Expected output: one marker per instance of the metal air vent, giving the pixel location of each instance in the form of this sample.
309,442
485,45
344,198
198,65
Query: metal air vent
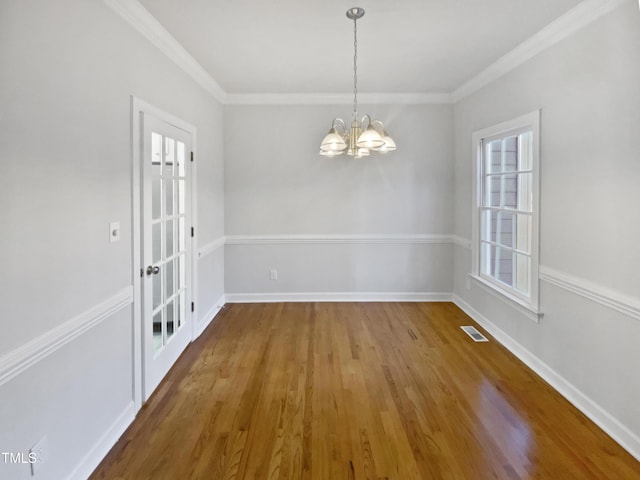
474,334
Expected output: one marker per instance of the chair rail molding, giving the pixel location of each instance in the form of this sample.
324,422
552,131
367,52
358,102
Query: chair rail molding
339,238
21,358
211,247
609,298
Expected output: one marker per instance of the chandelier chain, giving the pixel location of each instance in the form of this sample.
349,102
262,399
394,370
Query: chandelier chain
355,69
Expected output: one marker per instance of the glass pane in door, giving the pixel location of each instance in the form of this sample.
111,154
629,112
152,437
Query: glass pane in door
168,233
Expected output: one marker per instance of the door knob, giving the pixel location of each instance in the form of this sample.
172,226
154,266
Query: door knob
153,270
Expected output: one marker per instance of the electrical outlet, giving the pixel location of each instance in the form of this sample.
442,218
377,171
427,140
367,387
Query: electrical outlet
38,455
273,274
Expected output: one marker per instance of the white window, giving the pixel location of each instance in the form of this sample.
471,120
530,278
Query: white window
505,216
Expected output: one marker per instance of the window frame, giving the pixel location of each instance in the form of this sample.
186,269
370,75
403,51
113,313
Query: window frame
527,304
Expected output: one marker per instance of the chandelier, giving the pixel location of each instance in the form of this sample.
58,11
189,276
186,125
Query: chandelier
365,135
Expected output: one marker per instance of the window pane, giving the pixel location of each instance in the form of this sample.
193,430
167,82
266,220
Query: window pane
497,262
486,253
525,192
493,191
180,309
526,151
156,242
509,187
181,158
181,234
523,273
157,331
156,151
170,319
498,227
156,170
523,233
181,268
169,242
169,155
510,154
181,199
501,191
169,196
157,288
503,265
486,221
493,157
503,227
168,278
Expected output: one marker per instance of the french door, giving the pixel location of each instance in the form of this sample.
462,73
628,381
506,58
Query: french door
166,247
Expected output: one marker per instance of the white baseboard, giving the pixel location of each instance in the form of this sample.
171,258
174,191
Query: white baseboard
209,316
105,443
616,430
338,297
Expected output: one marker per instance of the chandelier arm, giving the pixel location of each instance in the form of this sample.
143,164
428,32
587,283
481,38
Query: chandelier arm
369,121
340,123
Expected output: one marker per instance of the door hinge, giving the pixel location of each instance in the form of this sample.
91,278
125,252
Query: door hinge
193,231
193,307
192,156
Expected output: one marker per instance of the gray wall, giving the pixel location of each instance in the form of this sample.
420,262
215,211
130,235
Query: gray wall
587,88
276,183
68,69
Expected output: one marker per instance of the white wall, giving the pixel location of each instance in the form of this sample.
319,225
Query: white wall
276,183
69,68
587,88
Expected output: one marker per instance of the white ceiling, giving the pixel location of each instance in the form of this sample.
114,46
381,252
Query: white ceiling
405,46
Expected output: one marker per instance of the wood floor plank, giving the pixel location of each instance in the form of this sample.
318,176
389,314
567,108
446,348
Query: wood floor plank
354,391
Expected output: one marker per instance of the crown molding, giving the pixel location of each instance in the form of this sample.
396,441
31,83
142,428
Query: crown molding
578,17
338,98
583,14
139,17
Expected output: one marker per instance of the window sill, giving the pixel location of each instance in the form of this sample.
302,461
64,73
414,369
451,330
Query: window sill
524,308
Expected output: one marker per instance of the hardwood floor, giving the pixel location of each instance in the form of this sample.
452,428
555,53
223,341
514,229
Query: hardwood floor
341,391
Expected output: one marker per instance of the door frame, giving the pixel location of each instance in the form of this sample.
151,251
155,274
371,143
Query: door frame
140,107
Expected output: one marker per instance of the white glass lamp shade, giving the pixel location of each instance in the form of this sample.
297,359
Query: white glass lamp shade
388,146
370,139
331,153
333,142
359,152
